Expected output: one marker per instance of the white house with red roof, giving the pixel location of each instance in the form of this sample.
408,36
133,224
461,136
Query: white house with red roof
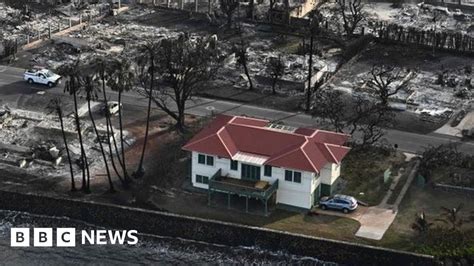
254,158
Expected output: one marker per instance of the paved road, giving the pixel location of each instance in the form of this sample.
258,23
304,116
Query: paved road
12,88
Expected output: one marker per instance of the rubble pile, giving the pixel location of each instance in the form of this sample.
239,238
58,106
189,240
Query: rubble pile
101,38
17,24
123,33
429,93
33,140
260,51
427,17
296,66
445,90
419,16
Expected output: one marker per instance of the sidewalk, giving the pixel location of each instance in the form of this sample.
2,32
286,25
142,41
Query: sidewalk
376,220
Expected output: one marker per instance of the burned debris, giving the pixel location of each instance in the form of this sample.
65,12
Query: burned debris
329,56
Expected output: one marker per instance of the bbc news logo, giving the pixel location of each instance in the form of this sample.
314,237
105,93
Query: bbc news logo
66,237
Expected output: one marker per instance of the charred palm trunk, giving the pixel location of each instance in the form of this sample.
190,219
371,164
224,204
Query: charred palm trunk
140,171
251,9
308,91
108,122
60,114
85,164
111,184
114,140
247,73
274,85
122,142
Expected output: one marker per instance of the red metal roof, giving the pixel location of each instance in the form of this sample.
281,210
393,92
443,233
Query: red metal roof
303,149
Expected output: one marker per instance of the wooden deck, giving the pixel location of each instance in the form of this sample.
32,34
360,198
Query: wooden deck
246,184
260,190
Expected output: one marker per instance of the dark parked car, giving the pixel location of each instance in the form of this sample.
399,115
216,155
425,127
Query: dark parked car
338,202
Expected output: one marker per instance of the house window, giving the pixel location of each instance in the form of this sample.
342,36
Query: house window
210,160
202,179
293,176
288,175
268,170
234,165
297,177
201,159
250,172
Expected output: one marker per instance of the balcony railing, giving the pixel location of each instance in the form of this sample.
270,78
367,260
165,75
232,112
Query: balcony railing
241,187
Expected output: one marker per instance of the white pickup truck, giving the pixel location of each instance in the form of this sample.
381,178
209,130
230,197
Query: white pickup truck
42,76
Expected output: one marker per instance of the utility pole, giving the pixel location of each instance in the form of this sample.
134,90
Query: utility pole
310,70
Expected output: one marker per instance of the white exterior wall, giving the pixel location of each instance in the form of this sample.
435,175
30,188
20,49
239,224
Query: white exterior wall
224,164
289,193
201,169
209,171
330,173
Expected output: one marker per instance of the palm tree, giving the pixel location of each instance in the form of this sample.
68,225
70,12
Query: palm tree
101,69
146,75
451,216
91,90
421,224
55,106
121,79
72,87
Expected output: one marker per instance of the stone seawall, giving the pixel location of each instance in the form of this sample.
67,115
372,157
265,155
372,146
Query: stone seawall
173,225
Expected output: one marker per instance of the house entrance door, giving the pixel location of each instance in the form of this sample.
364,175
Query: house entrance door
316,195
250,172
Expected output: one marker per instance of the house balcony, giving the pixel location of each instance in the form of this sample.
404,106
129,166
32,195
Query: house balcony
260,190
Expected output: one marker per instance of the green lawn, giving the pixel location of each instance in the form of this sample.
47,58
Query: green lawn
319,225
364,171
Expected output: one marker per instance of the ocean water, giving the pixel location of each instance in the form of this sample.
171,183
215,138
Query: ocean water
149,250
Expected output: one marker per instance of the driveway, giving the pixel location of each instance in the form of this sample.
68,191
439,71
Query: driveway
374,221
355,215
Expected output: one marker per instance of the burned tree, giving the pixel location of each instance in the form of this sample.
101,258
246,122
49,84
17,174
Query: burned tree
146,76
228,7
387,81
121,78
102,70
55,106
370,118
451,216
329,105
72,86
351,14
314,30
10,48
276,69
242,59
359,115
91,89
441,156
184,65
